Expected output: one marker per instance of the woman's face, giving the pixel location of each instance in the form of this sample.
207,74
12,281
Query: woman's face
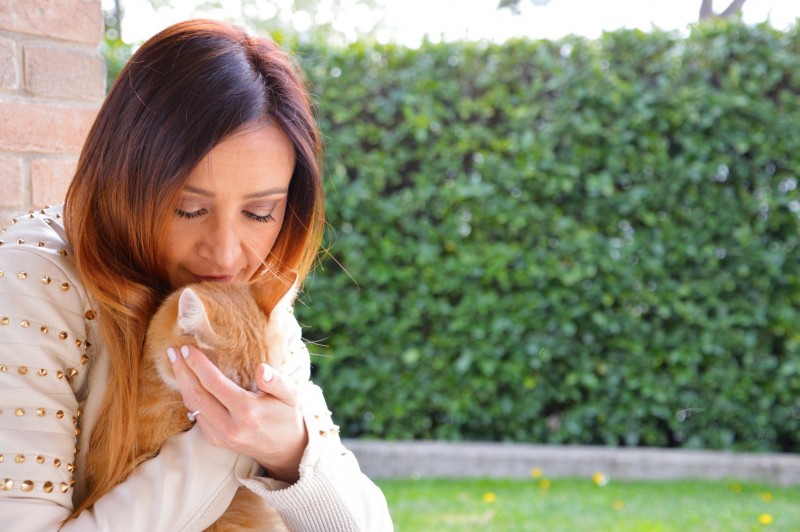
231,208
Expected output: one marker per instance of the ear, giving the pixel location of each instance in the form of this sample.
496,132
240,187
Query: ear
275,293
192,317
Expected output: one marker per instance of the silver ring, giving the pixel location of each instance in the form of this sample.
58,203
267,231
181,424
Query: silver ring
193,415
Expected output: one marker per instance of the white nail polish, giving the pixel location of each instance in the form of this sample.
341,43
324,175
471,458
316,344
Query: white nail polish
171,354
267,374
185,351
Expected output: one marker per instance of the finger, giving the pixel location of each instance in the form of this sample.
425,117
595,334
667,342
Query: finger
211,378
275,384
194,394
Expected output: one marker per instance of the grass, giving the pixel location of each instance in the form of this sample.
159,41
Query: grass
590,504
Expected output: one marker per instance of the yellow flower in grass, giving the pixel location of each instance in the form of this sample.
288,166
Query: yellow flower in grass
544,483
536,472
766,496
737,488
619,505
765,519
489,497
600,479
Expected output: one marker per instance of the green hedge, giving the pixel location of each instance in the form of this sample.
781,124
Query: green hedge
582,241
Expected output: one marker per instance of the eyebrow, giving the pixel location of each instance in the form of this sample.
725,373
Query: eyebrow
260,194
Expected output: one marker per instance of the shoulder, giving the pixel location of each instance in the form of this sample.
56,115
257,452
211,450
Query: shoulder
34,249
43,299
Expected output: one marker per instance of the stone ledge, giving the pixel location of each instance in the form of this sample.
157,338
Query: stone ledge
423,459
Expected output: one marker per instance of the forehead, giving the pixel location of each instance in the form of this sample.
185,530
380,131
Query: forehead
255,157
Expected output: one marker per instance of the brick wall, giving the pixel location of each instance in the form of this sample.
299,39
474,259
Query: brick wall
52,80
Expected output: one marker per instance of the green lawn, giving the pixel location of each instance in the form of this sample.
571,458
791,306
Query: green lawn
586,505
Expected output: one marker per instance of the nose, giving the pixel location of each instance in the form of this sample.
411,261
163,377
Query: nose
223,248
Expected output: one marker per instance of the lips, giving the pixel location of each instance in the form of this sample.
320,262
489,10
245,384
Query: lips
213,278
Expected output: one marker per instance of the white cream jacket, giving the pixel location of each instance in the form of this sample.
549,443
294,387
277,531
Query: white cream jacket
53,374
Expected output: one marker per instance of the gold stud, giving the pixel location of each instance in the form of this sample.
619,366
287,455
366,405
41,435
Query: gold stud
74,420
13,220
65,286
20,412
2,458
25,323
42,372
57,462
40,411
64,487
323,433
2,273
71,372
90,314
70,467
78,343
77,450
48,487
44,329
72,482
62,252
27,485
58,215
40,244
46,280
20,459
59,374
20,241
59,414
3,368
40,459
88,344
79,413
4,320
62,335
84,360
22,275
42,211
8,484
22,370
2,242
77,431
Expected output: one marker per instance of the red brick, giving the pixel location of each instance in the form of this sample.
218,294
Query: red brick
50,179
9,79
71,20
44,127
10,180
64,73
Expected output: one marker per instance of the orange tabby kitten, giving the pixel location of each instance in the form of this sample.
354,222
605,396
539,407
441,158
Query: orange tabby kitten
233,325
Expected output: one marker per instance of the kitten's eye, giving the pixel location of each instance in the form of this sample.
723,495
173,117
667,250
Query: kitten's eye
264,219
190,214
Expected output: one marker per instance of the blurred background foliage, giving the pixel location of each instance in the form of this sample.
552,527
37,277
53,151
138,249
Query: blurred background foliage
573,241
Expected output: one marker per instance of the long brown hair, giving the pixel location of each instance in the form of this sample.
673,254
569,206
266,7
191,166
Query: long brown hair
185,90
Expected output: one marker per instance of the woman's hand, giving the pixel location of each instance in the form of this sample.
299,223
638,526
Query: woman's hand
267,425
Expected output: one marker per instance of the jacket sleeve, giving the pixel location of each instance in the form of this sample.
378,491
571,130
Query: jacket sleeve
332,492
45,322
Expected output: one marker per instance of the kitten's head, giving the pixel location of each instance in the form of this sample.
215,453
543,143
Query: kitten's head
237,325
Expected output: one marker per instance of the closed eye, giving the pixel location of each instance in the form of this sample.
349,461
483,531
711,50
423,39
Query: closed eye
190,214
257,218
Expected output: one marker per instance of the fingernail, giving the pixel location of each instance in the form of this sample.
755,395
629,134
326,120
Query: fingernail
171,354
268,373
185,351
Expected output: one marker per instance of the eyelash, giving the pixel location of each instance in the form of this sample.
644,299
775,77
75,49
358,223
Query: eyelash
254,217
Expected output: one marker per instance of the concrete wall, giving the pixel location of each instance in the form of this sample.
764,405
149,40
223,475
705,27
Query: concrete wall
52,81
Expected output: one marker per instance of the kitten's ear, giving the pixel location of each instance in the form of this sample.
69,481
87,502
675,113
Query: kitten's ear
275,293
192,317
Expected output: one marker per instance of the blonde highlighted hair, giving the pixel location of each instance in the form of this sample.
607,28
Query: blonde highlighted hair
185,90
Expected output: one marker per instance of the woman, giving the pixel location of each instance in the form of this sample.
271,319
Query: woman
202,164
